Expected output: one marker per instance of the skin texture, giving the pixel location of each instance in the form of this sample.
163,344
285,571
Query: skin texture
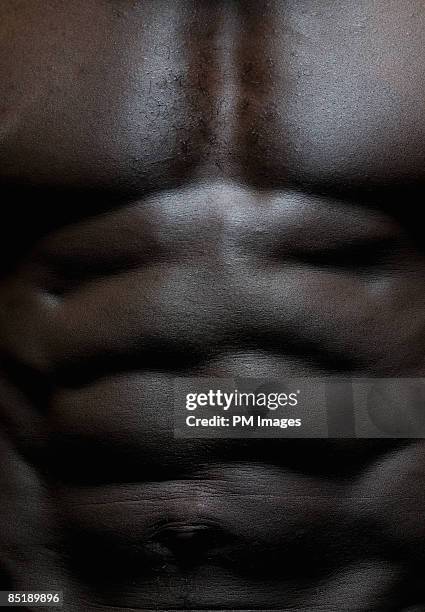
207,188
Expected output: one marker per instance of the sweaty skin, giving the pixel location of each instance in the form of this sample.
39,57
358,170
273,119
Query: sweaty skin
207,188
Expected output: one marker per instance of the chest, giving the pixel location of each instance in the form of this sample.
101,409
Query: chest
128,98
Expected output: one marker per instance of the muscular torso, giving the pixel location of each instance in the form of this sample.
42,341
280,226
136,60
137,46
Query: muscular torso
207,189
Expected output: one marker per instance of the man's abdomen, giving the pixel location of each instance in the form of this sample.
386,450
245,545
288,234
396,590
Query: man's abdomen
219,280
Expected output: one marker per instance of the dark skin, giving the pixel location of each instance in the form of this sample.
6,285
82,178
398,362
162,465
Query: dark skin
214,189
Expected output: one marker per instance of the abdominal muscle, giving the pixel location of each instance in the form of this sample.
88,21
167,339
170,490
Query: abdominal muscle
215,280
